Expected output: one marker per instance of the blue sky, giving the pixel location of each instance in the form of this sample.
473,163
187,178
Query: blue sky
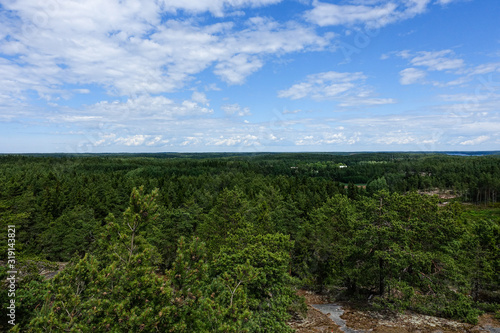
94,76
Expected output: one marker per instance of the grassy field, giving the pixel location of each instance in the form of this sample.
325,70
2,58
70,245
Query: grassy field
479,212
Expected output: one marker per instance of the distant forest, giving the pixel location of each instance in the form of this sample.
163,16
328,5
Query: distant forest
221,242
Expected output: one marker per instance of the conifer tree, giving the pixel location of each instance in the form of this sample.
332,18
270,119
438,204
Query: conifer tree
115,290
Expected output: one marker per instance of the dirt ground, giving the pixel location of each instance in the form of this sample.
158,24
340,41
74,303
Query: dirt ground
315,322
412,323
370,321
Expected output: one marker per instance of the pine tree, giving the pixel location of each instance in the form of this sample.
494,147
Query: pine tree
117,289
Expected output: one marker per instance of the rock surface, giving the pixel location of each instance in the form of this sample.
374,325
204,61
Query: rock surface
323,316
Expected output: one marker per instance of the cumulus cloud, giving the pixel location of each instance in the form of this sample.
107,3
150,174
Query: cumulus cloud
371,13
235,109
325,14
411,75
324,85
144,114
237,68
134,48
200,98
475,141
149,72
135,140
130,140
347,88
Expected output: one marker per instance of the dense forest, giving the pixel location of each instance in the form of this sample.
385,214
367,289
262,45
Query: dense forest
221,242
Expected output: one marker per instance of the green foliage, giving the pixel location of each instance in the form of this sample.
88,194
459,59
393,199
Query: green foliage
85,298
124,238
443,304
72,232
376,185
173,223
226,217
195,310
330,236
482,258
30,291
259,265
258,220
119,291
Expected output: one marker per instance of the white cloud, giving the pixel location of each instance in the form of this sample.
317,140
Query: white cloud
126,48
395,138
482,125
484,101
135,140
445,2
145,114
436,130
325,14
82,91
156,140
404,54
235,109
371,13
472,73
291,111
200,98
432,131
354,102
484,69
411,76
150,106
465,98
216,7
437,61
328,137
241,140
262,37
326,85
141,53
80,119
475,141
212,87
191,140
297,91
444,60
323,139
132,140
237,68
347,88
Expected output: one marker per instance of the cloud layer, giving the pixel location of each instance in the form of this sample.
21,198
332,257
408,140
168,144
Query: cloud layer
130,48
241,75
